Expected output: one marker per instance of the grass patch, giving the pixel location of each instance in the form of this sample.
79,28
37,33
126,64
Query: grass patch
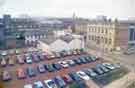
131,85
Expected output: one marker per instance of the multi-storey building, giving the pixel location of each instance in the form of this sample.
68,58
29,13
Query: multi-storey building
109,35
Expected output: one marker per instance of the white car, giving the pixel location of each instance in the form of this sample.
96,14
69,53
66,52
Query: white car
83,75
28,59
64,64
38,84
108,65
28,86
50,83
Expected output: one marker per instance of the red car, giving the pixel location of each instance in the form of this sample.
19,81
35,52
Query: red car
21,73
67,78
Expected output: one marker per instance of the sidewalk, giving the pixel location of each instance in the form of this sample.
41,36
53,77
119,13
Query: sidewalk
122,82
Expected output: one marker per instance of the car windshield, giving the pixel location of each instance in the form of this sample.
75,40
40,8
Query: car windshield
51,83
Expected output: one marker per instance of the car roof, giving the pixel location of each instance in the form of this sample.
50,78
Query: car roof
28,86
38,83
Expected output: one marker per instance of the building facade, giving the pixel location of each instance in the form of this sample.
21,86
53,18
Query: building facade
110,35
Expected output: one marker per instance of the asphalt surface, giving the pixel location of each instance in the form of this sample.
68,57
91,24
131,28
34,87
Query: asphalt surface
16,83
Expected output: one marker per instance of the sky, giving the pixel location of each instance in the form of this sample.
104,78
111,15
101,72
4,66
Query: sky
66,8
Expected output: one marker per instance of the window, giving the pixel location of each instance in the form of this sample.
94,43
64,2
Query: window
131,31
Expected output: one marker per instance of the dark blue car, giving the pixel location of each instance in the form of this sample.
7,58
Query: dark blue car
31,72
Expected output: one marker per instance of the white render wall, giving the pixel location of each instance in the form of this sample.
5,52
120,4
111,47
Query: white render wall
76,44
44,47
59,45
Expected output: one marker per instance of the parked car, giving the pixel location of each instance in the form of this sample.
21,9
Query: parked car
71,62
31,72
98,70
38,84
60,82
20,59
28,59
57,54
64,64
6,76
50,83
75,77
67,78
90,72
57,66
105,69
11,61
74,52
83,75
88,59
109,66
35,58
93,58
21,73
78,61
83,60
28,86
49,67
3,63
41,68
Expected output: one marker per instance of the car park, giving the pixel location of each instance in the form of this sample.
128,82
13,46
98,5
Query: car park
20,59
6,76
57,66
41,68
49,67
3,63
64,64
75,77
38,84
50,83
71,62
83,75
21,73
28,86
31,72
67,78
60,82
90,72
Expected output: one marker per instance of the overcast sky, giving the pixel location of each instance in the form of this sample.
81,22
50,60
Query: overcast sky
65,8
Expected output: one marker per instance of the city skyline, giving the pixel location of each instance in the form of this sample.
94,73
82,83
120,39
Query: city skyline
62,8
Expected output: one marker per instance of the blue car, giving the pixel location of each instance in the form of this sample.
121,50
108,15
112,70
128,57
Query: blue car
31,72
60,82
75,77
57,66
49,67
